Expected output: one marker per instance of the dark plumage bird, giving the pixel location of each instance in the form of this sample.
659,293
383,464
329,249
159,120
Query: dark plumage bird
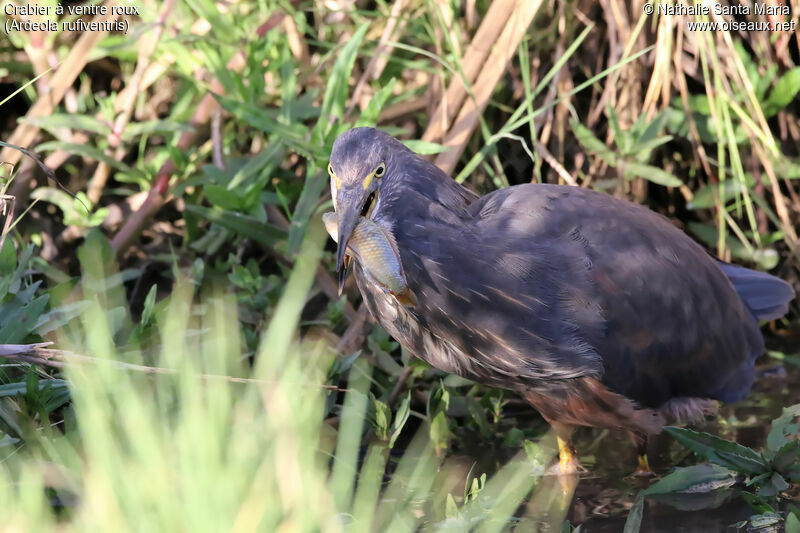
597,311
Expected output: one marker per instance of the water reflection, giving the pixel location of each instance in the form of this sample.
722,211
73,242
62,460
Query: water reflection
601,498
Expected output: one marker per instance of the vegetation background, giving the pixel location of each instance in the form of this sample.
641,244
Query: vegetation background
160,216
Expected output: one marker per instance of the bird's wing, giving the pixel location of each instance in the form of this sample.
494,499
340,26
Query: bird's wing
555,282
500,296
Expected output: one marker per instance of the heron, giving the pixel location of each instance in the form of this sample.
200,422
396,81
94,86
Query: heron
597,311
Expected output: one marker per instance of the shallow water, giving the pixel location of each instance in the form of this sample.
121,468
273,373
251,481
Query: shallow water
600,498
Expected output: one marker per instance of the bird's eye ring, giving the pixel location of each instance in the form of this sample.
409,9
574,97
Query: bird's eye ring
330,169
381,170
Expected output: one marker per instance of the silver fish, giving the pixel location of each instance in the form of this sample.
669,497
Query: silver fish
376,252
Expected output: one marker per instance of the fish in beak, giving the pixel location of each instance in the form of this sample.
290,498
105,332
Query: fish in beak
375,250
350,207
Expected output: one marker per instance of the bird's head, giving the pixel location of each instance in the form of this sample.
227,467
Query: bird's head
362,162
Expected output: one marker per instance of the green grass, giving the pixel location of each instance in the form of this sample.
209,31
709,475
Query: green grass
215,444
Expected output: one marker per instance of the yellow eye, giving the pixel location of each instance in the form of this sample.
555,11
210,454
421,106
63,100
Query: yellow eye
381,170
330,169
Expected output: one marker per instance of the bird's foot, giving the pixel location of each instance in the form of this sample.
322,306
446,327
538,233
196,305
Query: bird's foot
643,469
568,462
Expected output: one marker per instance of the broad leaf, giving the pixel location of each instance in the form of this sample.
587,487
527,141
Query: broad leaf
650,173
784,429
784,92
244,225
720,451
400,418
693,479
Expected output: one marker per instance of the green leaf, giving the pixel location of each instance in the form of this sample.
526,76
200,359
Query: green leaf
784,428
32,385
293,135
759,479
18,318
536,456
8,259
720,451
400,418
778,482
650,173
650,137
439,432
149,304
475,487
784,92
243,225
439,400
21,387
424,147
513,437
306,206
766,258
759,504
11,284
699,478
699,103
621,138
72,121
478,414
642,150
382,416
593,144
223,198
787,457
158,127
792,524
450,508
704,197
74,213
88,151
336,90
268,158
634,520
369,117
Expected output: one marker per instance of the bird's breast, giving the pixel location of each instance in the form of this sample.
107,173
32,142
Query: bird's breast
407,328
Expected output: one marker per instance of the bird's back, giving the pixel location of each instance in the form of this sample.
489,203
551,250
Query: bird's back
540,283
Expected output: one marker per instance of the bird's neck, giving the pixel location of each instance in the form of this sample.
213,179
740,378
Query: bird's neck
418,184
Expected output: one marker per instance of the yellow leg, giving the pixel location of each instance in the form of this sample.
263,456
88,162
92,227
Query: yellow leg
566,457
643,468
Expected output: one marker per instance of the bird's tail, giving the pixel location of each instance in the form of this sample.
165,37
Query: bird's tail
766,296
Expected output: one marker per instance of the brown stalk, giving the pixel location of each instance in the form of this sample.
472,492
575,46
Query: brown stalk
360,325
7,212
39,354
478,50
401,109
660,80
297,44
469,115
699,151
147,46
556,166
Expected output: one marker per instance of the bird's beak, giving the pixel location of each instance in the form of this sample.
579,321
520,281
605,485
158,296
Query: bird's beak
347,213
